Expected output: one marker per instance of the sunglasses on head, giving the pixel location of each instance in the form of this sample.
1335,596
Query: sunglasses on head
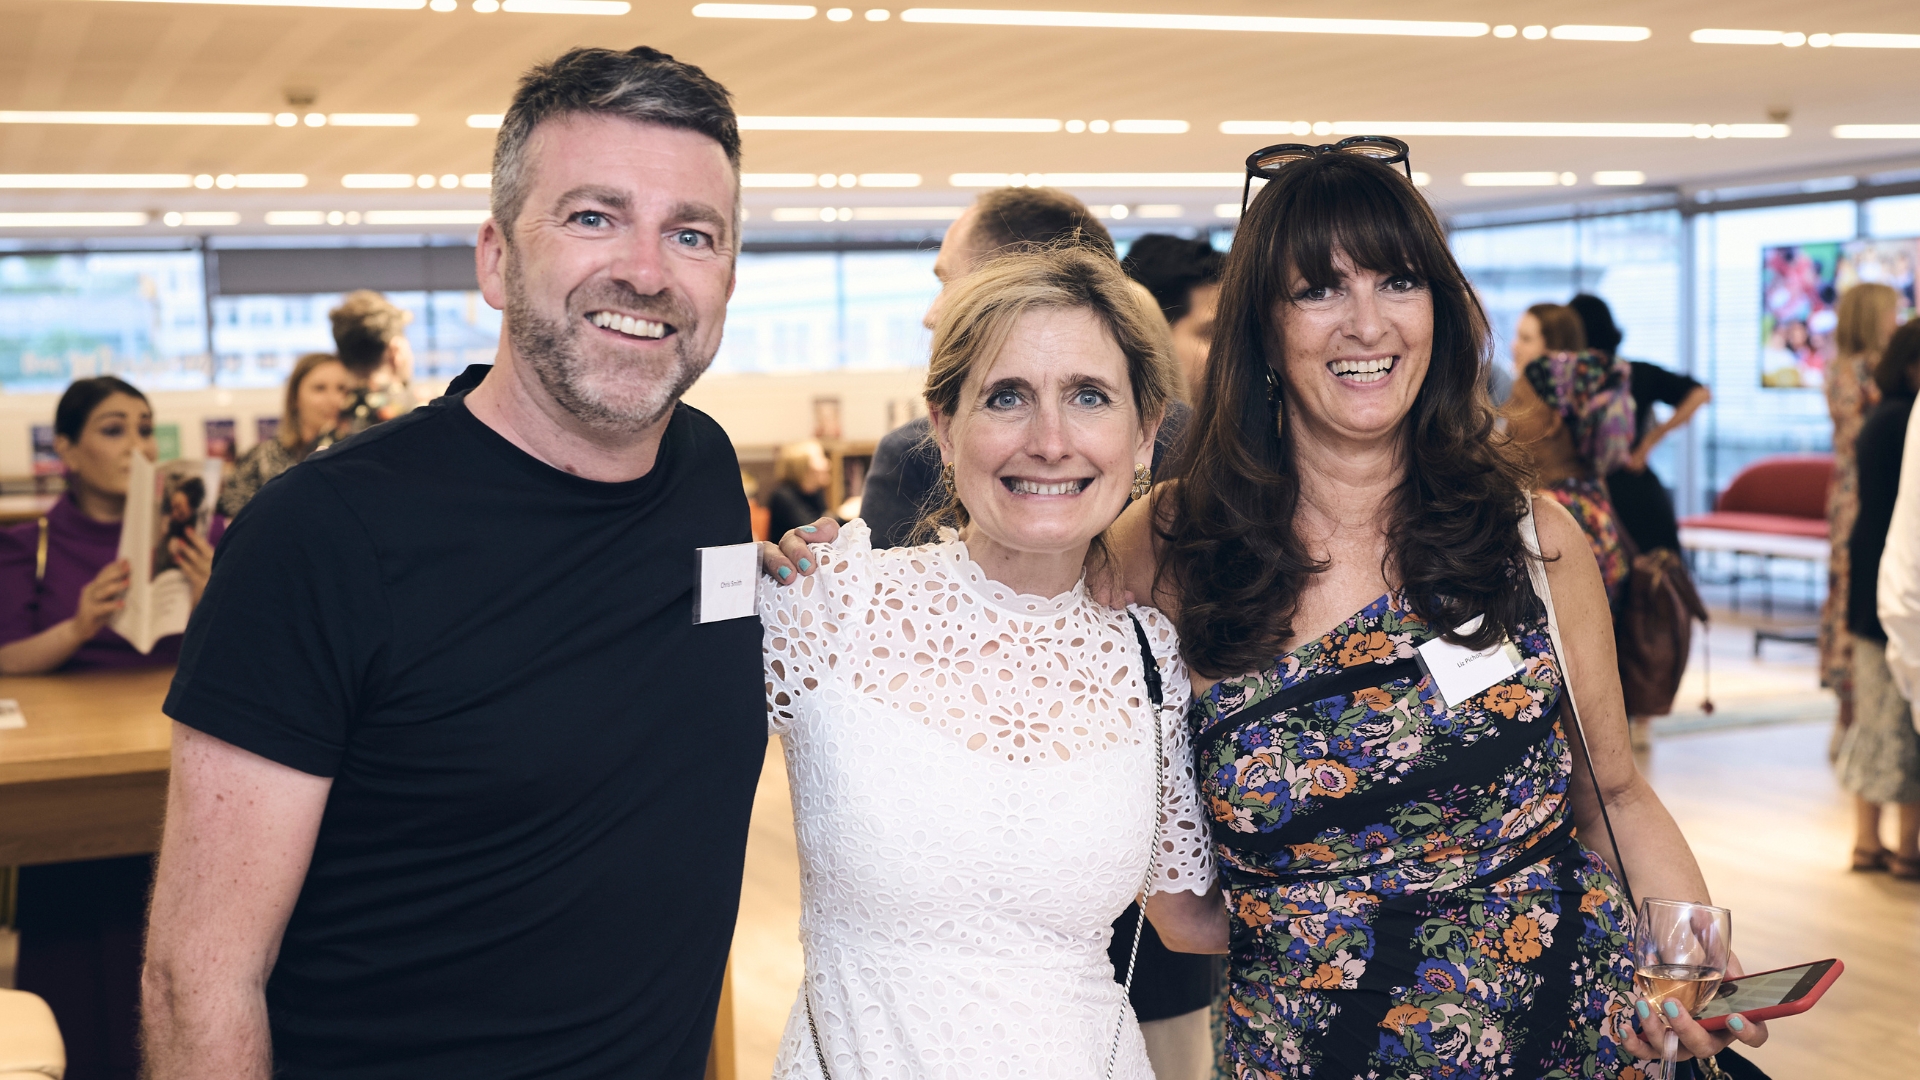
1267,161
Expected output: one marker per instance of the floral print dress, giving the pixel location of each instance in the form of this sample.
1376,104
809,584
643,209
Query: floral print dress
1406,895
1587,501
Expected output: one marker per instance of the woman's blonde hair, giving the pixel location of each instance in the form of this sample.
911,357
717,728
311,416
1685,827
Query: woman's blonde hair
1861,330
796,461
290,415
984,306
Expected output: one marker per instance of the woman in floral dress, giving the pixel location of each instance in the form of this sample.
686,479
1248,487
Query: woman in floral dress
1868,314
1416,887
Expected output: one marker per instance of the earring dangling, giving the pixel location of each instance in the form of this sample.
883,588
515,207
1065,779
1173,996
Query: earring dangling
1142,483
946,480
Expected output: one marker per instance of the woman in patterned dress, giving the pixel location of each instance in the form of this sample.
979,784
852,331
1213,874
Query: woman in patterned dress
1867,317
1416,887
1572,411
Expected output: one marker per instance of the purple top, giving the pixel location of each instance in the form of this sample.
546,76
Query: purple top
78,547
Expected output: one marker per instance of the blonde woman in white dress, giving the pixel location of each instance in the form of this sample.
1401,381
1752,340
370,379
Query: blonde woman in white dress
970,737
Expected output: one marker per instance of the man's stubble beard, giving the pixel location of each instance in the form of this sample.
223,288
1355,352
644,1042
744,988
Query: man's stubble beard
607,395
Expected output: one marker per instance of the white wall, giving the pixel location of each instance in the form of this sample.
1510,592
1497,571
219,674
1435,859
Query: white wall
756,410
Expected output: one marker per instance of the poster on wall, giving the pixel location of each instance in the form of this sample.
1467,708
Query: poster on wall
1797,299
1800,290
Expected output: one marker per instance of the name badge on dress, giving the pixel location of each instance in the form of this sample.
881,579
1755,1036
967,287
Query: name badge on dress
1459,672
726,577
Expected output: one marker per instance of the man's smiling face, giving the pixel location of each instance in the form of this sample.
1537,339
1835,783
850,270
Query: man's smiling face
618,269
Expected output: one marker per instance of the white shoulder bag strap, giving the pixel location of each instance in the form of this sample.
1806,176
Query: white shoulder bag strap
1537,573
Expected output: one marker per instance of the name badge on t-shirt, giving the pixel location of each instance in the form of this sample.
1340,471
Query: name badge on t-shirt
1459,672
726,578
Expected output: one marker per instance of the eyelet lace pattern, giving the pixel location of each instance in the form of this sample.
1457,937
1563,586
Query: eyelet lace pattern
971,774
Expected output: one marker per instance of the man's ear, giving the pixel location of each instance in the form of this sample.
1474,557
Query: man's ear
489,264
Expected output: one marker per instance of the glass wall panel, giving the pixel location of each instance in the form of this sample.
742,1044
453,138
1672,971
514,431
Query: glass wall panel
1748,421
258,338
828,311
1894,218
140,316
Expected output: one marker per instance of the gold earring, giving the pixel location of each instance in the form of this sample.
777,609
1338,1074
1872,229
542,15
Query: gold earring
946,480
1142,483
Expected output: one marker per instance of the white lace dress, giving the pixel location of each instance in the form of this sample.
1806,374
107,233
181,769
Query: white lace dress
973,795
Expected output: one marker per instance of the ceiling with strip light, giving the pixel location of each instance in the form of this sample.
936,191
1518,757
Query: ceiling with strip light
150,117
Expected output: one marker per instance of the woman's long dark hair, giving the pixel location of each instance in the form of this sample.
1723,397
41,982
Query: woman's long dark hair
1232,554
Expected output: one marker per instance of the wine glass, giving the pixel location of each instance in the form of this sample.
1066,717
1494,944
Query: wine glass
1680,954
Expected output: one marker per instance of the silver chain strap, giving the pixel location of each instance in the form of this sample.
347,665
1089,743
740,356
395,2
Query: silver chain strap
1153,870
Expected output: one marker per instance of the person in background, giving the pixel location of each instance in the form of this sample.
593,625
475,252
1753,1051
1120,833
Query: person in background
1868,314
1569,410
905,474
800,478
1184,278
1879,754
61,577
318,394
370,337
1898,590
61,581
1642,503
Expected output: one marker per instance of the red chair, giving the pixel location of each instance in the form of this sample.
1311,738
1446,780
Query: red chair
1775,508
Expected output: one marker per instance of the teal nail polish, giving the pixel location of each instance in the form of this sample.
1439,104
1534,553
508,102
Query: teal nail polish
784,573
1737,1022
805,565
1671,1008
808,528
1641,1007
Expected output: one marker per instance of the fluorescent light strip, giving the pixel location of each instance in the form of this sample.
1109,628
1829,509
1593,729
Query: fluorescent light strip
1159,210
753,11
1877,131
485,120
200,218
74,220
377,180
425,217
96,180
386,5
1150,127
1518,179
1575,32
807,180
296,217
263,180
566,7
907,213
1793,39
209,119
1097,180
372,120
1876,41
896,123
1620,178
476,180
1526,129
1111,20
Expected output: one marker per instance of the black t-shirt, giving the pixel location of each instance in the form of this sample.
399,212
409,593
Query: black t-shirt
529,864
1652,383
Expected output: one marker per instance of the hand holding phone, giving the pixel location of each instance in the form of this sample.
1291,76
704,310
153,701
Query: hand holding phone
1767,994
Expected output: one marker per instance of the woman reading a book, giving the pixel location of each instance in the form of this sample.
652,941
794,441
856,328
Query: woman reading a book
61,577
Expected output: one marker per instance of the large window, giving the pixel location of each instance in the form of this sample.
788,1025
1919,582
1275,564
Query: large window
144,316
829,311
258,338
141,316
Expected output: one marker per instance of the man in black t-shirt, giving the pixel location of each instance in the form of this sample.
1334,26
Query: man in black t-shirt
459,787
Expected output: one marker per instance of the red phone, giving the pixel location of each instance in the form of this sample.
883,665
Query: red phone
1767,994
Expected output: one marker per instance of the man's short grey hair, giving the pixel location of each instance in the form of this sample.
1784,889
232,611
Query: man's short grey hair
642,84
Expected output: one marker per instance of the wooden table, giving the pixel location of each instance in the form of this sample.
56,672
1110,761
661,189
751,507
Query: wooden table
87,777
17,508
